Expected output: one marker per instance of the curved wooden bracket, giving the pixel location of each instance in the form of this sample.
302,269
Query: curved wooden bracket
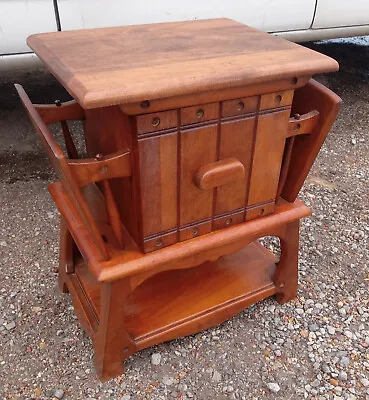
219,173
303,124
91,170
51,113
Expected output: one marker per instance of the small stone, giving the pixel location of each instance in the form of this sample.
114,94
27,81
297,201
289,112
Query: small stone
342,312
155,358
168,381
331,330
348,334
36,309
273,387
325,368
333,382
338,390
304,333
59,393
10,326
313,328
216,376
126,397
315,383
364,382
342,376
345,361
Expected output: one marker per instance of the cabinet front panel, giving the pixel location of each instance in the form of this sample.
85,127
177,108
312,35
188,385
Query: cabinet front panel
198,148
158,169
236,139
269,147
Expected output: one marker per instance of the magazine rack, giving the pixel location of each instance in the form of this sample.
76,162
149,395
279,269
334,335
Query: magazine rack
199,137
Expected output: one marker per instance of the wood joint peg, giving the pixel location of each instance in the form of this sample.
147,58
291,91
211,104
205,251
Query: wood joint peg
302,124
219,173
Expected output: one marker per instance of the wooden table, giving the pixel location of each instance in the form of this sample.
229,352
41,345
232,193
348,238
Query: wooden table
200,135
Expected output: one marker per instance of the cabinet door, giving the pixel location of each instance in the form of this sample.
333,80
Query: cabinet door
266,15
21,18
236,139
198,148
158,177
268,153
336,13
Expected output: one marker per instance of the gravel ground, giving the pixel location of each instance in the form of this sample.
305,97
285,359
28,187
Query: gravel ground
315,347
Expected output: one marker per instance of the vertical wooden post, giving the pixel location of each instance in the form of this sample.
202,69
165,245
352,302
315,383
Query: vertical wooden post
66,261
113,343
286,275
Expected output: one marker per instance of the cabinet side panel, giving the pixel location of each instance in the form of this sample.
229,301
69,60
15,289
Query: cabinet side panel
198,148
158,173
236,139
107,130
268,154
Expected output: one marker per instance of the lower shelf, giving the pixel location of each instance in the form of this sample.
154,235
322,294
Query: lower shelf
176,303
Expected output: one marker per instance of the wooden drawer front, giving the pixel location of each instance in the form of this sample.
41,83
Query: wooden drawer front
195,114
239,106
277,99
267,159
236,138
198,148
158,169
156,121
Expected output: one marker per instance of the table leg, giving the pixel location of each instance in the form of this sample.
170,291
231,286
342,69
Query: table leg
66,259
286,275
112,344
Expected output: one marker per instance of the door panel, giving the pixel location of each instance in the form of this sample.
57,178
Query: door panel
268,153
21,18
236,139
198,148
267,15
335,13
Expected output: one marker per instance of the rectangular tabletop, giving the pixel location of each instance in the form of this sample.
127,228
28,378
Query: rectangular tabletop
108,66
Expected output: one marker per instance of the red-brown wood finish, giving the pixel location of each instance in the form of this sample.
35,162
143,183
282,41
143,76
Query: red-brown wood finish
199,136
